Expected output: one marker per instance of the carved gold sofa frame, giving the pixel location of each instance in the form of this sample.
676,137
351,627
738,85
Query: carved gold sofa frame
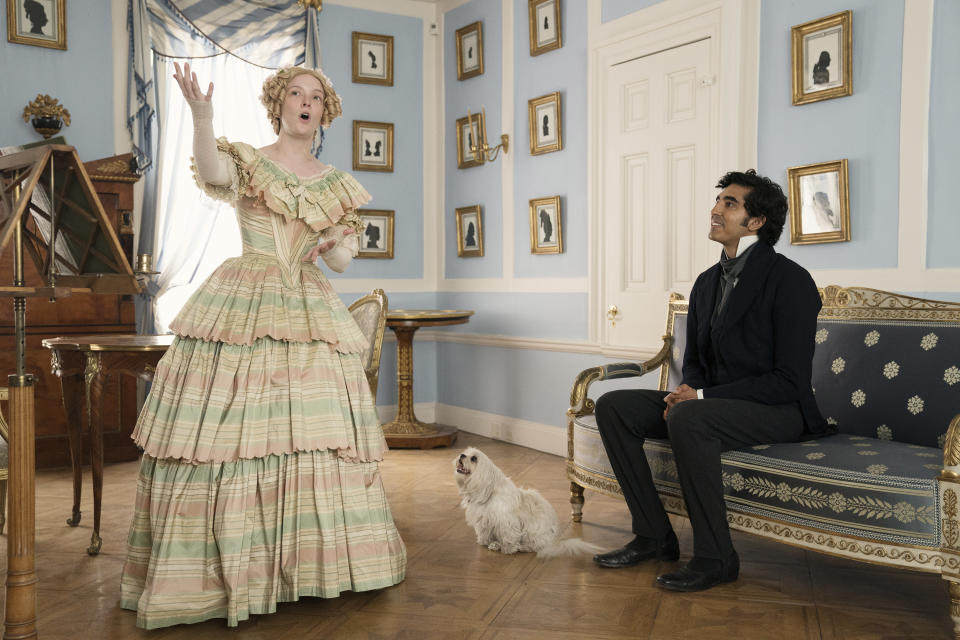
883,490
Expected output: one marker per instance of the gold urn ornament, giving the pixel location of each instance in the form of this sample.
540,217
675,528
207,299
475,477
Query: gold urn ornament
48,114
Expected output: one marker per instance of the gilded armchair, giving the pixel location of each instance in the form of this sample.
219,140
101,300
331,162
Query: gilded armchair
370,313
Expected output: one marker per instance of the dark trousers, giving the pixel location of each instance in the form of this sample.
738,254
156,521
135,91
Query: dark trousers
699,431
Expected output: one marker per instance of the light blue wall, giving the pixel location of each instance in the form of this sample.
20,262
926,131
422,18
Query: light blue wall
613,9
552,316
477,185
863,128
401,104
81,78
520,383
563,172
943,222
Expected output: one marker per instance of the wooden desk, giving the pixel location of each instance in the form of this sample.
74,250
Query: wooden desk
92,358
405,431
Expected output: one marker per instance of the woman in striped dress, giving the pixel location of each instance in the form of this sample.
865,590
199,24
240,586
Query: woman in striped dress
260,478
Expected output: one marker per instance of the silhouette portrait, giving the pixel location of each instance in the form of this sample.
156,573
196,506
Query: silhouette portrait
373,59
37,16
366,148
373,236
546,22
546,125
376,149
470,239
546,225
821,75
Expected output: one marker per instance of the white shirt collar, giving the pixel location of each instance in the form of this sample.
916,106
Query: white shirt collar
745,243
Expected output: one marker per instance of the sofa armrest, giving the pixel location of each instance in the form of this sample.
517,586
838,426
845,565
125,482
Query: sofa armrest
581,404
951,452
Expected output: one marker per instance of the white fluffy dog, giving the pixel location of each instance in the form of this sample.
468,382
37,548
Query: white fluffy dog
506,518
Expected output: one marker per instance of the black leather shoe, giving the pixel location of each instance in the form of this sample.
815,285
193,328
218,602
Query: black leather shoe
639,550
703,574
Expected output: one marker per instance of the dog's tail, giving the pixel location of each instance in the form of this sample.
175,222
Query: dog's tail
568,547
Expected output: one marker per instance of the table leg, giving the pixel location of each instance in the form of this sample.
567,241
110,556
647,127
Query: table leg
71,391
405,431
94,387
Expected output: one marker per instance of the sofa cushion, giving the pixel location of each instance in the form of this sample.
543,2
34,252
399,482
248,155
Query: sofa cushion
847,484
888,379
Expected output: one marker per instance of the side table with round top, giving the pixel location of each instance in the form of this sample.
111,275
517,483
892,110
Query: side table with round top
405,431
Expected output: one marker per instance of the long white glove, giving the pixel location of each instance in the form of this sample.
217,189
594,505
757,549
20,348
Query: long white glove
212,166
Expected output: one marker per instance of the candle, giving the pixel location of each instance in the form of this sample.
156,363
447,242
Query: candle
475,143
484,111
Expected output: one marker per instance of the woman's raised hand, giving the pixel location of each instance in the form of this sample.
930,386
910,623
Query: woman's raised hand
189,85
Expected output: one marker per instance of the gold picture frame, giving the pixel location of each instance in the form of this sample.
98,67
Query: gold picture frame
469,232
372,59
545,29
819,203
471,131
376,239
546,228
818,74
28,23
470,51
546,124
372,146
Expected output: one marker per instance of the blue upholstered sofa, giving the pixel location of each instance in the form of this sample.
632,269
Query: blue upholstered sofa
884,489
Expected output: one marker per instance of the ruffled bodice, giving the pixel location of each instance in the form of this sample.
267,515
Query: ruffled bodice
269,290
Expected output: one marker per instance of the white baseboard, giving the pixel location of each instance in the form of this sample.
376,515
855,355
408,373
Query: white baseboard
542,437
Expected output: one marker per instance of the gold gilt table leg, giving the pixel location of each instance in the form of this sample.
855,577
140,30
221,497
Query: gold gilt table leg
406,421
406,431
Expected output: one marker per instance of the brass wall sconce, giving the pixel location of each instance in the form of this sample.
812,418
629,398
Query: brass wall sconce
485,152
49,115
316,4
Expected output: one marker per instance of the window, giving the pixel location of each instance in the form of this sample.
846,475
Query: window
194,232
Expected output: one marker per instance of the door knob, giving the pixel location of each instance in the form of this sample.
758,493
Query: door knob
612,314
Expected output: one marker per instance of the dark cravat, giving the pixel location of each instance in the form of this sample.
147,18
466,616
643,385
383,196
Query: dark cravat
730,269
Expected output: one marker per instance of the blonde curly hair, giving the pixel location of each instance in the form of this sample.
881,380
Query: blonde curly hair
275,89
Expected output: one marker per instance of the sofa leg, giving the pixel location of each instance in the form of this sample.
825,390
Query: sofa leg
576,501
955,607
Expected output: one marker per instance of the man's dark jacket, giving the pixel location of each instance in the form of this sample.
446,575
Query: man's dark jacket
765,338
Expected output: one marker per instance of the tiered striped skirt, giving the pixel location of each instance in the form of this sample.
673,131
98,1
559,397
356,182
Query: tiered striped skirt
260,483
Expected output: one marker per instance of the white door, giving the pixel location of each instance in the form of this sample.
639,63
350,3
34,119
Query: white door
655,154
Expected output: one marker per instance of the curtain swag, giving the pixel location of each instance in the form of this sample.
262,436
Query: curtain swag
266,33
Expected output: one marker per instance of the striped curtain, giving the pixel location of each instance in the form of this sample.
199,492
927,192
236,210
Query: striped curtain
266,33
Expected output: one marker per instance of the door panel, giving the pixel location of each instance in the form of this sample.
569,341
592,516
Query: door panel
655,154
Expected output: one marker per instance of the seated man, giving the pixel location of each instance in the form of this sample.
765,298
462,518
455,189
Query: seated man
746,381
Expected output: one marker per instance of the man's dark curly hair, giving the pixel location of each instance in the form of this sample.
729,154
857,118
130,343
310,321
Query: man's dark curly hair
765,198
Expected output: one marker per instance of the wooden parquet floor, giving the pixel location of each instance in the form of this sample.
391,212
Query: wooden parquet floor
457,589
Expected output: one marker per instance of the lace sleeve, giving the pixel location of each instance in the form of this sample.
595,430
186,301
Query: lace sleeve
232,156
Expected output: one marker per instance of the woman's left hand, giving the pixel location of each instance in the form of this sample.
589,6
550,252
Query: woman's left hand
323,247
